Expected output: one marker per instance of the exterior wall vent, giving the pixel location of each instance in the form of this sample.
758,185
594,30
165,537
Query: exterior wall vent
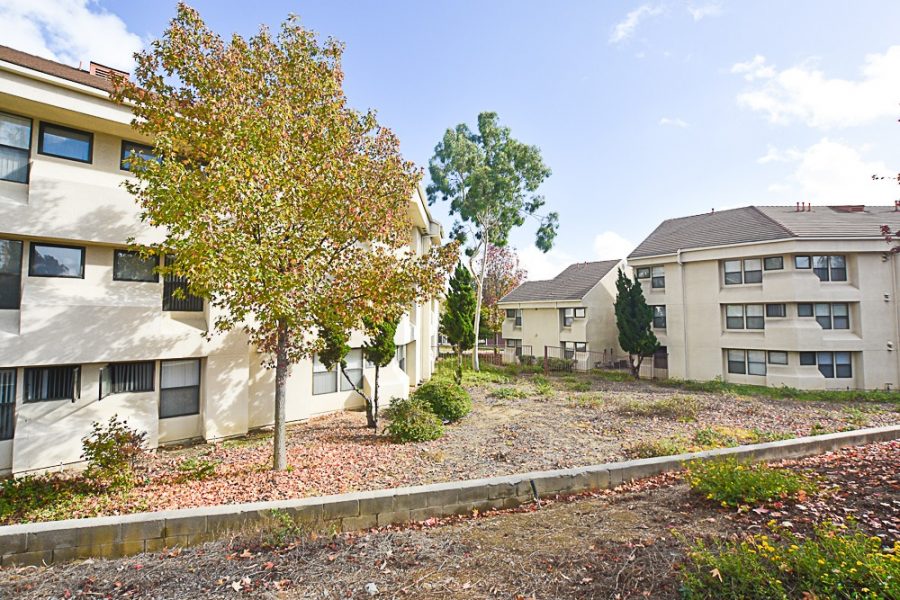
104,72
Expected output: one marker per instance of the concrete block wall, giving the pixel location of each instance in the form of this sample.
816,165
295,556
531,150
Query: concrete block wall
112,537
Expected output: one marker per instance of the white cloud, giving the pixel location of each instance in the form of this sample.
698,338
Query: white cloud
756,68
804,93
626,28
544,266
831,172
703,11
773,154
610,245
68,31
674,122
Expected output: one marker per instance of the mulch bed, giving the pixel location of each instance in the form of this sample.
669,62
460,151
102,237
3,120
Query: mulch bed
338,454
622,543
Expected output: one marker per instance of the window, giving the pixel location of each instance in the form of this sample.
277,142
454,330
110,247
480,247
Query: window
10,274
777,357
843,366
659,317
130,149
516,315
7,403
354,371
510,313
752,270
802,262
63,142
773,263
580,346
737,362
828,316
130,266
776,310
807,358
756,362
517,344
830,268
570,348
747,362
50,260
643,273
740,316
733,274
118,378
15,147
658,279
832,365
825,361
401,357
748,270
661,358
52,383
324,380
570,314
580,312
179,388
176,296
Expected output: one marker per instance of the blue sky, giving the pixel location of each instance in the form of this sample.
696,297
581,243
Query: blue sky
644,111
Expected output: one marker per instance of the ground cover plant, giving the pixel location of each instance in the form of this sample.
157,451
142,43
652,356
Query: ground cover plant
736,484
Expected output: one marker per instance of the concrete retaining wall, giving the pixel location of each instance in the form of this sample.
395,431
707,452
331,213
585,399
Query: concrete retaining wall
147,532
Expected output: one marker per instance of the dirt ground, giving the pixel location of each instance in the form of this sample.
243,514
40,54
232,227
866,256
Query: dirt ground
619,544
515,426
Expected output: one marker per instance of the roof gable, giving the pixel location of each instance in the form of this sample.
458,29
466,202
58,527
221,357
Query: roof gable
572,284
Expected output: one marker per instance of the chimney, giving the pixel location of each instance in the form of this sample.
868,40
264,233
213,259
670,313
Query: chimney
104,72
896,205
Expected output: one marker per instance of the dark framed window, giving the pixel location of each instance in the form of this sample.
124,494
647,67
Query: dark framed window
776,310
843,365
43,384
132,149
659,317
755,318
53,260
516,315
661,358
733,273
807,358
580,346
120,378
825,360
7,404
643,273
131,266
734,316
10,274
354,370
516,344
580,313
830,268
568,316
737,362
179,388
177,295
804,310
777,357
401,357
15,147
752,270
756,362
324,379
773,263
658,277
65,142
744,316
510,313
802,262
833,316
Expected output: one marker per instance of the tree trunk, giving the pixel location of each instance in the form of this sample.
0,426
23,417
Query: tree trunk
279,452
459,360
373,418
479,291
370,420
636,366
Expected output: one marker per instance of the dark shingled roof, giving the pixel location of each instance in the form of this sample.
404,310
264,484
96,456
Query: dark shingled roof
762,223
572,284
50,67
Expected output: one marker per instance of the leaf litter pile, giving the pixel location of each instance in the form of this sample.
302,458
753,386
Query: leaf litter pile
623,543
514,428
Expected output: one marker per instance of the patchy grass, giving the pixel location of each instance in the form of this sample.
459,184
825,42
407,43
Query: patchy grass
607,375
835,562
682,408
779,393
509,392
735,484
706,438
594,400
654,448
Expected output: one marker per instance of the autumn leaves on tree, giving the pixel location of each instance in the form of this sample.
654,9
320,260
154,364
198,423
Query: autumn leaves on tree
282,205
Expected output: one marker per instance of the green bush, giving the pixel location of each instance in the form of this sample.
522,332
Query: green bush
560,364
832,563
411,420
196,469
447,400
733,484
507,392
653,448
111,451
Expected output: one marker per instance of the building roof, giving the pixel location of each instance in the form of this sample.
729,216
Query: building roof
763,223
572,284
50,67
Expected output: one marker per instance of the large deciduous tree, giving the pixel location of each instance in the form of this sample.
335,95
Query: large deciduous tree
634,318
502,274
457,318
282,205
491,181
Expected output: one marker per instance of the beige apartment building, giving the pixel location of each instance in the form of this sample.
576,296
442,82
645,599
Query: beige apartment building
801,296
87,329
573,312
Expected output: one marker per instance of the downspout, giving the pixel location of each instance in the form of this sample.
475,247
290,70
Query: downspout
684,331
894,265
